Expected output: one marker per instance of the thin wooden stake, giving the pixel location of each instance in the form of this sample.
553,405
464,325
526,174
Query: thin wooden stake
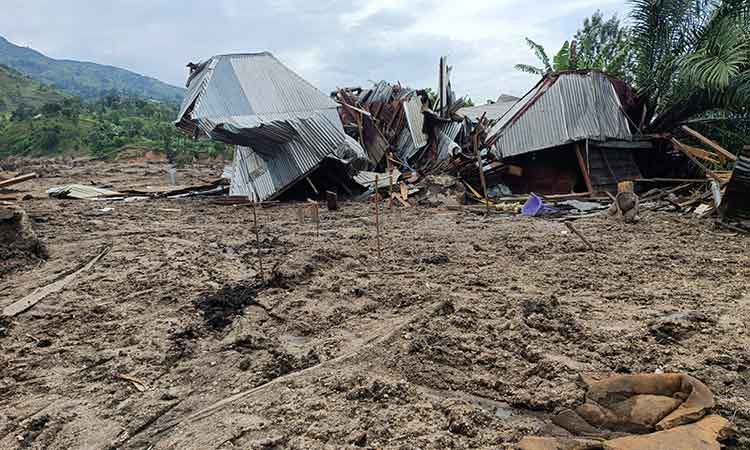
578,233
257,241
390,180
377,216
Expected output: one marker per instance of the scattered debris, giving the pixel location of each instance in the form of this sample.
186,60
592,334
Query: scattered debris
79,191
139,384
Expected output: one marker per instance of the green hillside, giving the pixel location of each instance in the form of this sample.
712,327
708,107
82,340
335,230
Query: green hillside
17,90
101,128
86,80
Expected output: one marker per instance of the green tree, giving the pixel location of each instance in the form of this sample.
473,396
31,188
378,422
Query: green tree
605,45
600,44
692,58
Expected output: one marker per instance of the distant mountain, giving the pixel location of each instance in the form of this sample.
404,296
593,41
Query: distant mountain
18,90
87,80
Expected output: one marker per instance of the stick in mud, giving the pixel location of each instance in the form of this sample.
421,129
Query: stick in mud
390,180
377,216
578,233
257,241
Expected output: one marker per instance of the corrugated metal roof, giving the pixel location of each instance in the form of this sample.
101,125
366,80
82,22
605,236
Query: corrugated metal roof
367,178
415,121
283,125
447,140
80,191
493,111
562,108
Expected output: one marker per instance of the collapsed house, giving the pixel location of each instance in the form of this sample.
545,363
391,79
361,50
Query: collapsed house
492,111
285,130
404,125
570,133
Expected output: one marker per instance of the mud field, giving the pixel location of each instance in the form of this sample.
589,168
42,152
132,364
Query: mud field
468,332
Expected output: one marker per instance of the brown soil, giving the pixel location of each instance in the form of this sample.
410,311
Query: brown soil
19,245
468,332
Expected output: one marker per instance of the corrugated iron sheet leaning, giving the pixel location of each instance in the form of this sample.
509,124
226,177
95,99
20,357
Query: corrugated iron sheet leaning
284,128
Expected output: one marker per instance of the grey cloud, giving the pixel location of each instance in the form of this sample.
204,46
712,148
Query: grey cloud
158,37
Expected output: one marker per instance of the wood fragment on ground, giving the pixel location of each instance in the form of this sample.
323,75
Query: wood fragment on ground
38,295
578,233
17,180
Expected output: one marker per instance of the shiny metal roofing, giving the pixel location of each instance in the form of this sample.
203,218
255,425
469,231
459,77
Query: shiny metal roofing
246,90
492,111
284,127
560,109
415,121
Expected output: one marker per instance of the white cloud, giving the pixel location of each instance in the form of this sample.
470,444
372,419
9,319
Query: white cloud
330,42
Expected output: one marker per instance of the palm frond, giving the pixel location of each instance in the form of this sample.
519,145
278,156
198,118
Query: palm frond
540,53
530,69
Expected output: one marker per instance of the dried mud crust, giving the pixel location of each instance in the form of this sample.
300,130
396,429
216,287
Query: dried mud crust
469,332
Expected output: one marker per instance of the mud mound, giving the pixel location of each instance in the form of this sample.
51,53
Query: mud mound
19,245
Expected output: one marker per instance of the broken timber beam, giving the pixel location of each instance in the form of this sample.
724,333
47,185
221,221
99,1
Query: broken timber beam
723,153
584,169
679,146
16,180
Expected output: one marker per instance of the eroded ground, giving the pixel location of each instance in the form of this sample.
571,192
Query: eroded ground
468,332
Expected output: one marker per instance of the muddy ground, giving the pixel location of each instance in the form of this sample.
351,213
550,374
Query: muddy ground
468,332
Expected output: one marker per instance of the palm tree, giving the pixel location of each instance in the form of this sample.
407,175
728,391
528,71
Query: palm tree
562,60
692,58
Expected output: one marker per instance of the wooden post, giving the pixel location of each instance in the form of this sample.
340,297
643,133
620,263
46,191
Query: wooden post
584,169
257,241
481,170
377,216
625,186
332,201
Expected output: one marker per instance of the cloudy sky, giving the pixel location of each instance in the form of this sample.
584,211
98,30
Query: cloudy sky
330,42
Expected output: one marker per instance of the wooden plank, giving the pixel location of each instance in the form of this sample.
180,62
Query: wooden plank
16,180
719,149
670,180
38,295
584,169
679,146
